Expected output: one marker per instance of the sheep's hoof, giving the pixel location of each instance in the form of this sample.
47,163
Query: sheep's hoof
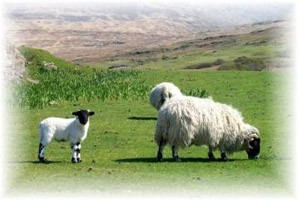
224,157
159,159
176,159
211,156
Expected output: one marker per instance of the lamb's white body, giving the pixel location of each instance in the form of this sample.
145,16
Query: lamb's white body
183,121
61,129
163,92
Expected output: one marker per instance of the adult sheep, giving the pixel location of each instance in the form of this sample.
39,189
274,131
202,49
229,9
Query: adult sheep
184,121
163,92
61,129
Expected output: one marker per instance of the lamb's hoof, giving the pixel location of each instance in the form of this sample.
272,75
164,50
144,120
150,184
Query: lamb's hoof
42,159
73,160
211,156
176,159
79,160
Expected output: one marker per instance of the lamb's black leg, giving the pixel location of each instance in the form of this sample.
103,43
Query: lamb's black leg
78,152
175,154
73,157
41,153
160,151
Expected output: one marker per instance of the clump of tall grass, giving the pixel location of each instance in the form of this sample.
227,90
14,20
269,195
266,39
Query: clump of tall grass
70,84
202,93
245,63
205,64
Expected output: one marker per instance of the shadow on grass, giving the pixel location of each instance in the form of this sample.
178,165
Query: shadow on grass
142,118
183,160
37,162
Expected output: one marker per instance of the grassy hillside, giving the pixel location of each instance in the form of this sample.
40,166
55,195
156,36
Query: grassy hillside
119,153
264,44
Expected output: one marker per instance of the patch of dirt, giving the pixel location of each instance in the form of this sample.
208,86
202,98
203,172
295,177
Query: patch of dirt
212,68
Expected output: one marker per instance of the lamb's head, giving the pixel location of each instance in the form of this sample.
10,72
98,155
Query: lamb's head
83,115
253,143
161,92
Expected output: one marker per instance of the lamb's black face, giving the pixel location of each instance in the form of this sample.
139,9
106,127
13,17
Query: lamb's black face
83,115
254,149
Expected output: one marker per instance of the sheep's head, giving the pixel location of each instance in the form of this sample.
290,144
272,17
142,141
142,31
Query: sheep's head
83,115
161,92
253,146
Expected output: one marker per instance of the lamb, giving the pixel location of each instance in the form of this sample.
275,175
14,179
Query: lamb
163,92
185,121
61,129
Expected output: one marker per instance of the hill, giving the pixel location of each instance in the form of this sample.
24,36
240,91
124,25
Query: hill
91,33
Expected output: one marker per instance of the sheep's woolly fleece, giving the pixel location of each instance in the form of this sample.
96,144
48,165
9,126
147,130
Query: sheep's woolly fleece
183,121
163,92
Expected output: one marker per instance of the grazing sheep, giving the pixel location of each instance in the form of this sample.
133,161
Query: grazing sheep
184,121
162,92
60,129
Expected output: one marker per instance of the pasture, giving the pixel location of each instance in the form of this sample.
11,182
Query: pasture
119,154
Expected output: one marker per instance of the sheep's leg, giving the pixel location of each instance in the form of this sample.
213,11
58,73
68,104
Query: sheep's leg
74,153
78,151
160,151
175,153
210,153
223,154
41,153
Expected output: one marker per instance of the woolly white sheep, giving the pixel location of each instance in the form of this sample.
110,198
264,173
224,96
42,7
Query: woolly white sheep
162,92
184,121
61,129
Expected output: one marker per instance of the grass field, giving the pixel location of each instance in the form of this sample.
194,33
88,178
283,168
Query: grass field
119,152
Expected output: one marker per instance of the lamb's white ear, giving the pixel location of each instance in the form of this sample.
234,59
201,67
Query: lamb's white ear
91,113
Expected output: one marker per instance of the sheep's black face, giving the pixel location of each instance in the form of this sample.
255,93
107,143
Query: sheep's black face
161,102
254,148
83,115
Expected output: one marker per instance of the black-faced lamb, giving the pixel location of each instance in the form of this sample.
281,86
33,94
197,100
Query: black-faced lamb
61,129
184,121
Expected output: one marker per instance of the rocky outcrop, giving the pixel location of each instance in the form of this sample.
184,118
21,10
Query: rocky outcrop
14,64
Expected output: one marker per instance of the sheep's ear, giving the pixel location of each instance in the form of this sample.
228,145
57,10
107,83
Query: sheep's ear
75,113
91,113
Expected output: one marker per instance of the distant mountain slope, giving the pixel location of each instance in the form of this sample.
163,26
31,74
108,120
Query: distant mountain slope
154,18
80,31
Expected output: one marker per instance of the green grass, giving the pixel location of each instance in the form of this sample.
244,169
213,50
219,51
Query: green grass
37,57
70,83
119,153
